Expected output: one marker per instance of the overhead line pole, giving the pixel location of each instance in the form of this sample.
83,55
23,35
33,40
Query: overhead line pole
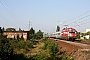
29,25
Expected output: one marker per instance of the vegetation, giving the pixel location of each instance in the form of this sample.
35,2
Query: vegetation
14,49
1,31
21,44
78,35
58,29
6,51
10,29
52,46
83,34
51,52
18,51
38,35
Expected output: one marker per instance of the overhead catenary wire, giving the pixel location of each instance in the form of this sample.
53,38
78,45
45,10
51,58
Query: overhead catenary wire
80,15
7,21
10,12
82,23
79,19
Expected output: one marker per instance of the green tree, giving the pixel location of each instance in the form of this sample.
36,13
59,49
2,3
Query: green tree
52,46
20,29
58,29
3,29
88,33
6,51
78,35
83,34
10,29
32,31
39,34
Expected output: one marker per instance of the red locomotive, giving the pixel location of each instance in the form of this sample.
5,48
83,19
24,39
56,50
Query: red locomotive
69,33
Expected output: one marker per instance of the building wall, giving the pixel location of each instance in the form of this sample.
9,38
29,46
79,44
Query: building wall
87,30
14,34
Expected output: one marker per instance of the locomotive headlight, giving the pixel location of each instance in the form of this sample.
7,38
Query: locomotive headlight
70,34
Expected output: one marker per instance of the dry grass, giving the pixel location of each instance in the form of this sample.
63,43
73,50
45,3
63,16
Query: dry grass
36,50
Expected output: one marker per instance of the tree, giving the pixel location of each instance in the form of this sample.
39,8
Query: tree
32,31
10,29
6,51
1,31
58,29
78,35
52,46
88,33
39,34
20,29
83,34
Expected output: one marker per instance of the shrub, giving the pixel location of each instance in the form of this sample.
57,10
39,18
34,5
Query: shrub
52,46
40,57
21,44
6,51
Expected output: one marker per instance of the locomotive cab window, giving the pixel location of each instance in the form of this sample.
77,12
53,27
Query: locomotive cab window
71,31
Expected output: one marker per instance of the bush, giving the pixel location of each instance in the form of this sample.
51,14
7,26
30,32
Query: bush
40,57
20,57
6,51
52,46
21,44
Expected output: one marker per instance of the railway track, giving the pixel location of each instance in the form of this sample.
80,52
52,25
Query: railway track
78,49
77,41
81,44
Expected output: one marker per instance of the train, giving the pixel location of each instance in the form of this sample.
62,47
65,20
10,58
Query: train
66,34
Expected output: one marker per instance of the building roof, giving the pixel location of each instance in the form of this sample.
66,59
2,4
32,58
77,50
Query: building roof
17,31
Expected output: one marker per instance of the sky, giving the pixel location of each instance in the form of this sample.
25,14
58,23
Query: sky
45,15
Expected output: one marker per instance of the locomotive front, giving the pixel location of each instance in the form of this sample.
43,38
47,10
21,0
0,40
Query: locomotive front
69,34
72,33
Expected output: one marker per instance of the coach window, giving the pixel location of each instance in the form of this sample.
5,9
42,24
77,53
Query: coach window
58,33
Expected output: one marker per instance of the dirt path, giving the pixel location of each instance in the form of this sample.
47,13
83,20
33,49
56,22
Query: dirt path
78,51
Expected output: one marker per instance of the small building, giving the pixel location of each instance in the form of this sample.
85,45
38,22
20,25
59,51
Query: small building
87,30
14,34
87,37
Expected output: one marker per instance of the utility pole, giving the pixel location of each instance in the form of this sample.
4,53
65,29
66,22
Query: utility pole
29,25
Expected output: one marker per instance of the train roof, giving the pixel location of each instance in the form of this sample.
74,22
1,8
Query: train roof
58,32
68,28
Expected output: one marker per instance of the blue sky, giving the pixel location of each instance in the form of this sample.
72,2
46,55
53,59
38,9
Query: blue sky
45,14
